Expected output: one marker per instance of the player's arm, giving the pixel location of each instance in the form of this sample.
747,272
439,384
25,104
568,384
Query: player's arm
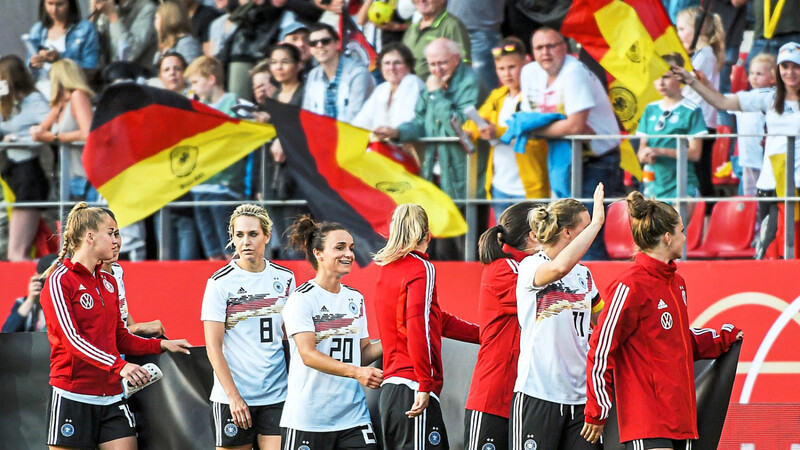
459,329
214,333
370,351
707,343
154,328
370,377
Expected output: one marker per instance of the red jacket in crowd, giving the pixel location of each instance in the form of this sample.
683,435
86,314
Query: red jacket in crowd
495,372
86,333
644,347
411,323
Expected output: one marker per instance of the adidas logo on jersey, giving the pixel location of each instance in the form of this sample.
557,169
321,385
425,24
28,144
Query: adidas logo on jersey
242,291
662,304
324,309
81,288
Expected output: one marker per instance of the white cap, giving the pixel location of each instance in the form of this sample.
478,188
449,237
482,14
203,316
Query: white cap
789,52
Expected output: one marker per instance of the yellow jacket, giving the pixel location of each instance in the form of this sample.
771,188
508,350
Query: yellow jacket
532,164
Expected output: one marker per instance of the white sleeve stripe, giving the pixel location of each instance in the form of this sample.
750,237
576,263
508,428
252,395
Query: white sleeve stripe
513,264
62,313
700,331
603,348
430,274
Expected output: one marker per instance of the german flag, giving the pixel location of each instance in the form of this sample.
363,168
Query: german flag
149,146
627,38
353,41
345,183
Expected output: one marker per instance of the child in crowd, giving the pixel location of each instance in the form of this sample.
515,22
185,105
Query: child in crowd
673,114
708,56
205,75
510,176
751,149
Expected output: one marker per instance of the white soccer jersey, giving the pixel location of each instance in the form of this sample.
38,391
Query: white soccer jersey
556,325
250,305
318,401
116,271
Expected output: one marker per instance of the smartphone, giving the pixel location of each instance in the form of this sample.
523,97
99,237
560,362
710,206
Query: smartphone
4,88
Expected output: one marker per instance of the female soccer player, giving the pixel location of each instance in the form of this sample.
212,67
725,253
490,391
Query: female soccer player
154,328
411,326
86,334
557,301
501,248
243,328
644,337
325,408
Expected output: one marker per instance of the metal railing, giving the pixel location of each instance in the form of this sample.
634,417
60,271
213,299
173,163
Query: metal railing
471,203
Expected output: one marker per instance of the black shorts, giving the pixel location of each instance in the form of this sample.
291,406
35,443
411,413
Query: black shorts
81,425
646,444
266,422
538,425
426,431
356,438
483,431
27,180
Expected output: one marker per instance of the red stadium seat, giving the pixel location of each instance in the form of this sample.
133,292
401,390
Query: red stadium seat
694,232
730,231
739,75
722,155
619,241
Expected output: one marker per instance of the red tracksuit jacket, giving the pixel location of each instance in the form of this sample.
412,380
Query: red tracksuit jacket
411,323
643,345
86,332
495,372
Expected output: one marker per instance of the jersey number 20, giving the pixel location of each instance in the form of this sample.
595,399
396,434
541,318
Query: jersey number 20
344,348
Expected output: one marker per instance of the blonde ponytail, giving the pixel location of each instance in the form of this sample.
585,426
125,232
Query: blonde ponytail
548,221
81,219
408,229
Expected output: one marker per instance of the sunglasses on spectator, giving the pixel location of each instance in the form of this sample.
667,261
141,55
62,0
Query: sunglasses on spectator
317,42
662,121
504,50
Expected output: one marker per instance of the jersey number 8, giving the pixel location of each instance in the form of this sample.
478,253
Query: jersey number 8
266,329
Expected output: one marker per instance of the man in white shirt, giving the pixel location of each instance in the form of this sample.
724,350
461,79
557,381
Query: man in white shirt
559,83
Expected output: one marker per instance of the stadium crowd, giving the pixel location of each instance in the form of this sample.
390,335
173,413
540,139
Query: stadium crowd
437,60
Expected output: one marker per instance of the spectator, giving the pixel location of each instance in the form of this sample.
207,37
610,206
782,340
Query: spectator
774,29
185,242
751,149
781,106
26,313
511,176
451,87
482,20
201,17
383,22
559,83
297,34
220,29
393,101
708,56
339,85
21,107
436,22
175,32
283,68
61,33
170,71
68,121
207,82
127,26
258,28
674,114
